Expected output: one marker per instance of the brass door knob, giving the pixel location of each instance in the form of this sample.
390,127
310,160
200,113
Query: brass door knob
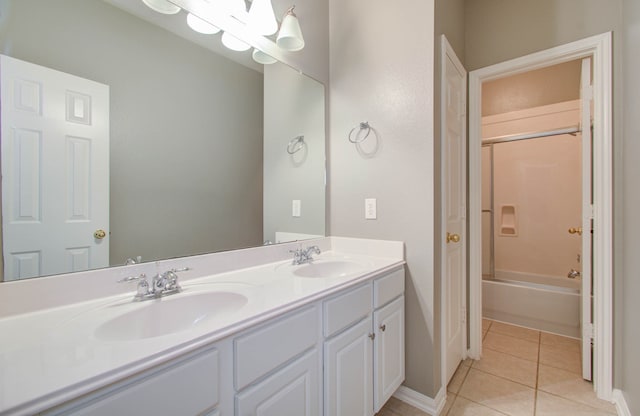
573,230
99,234
452,237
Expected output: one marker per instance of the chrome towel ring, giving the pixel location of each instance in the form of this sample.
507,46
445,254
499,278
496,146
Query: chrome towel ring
295,145
356,138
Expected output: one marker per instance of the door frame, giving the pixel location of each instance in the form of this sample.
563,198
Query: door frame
447,52
599,48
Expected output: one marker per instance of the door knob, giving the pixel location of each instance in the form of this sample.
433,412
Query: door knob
573,230
452,237
99,234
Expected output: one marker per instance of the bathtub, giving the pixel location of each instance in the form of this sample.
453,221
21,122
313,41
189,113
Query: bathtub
533,302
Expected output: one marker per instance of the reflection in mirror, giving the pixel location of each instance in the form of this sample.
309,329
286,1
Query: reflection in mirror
197,155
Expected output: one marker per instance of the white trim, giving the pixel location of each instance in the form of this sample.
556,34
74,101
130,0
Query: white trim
422,402
599,47
621,403
447,51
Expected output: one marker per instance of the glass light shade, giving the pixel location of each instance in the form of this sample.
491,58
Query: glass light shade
162,6
262,18
236,7
200,25
263,58
234,43
290,35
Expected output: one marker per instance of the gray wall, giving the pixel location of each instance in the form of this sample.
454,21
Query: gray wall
186,125
381,71
492,26
294,106
627,336
498,30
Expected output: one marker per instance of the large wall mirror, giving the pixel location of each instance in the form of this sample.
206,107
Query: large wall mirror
195,152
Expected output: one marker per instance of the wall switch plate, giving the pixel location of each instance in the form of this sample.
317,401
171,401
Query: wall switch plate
295,208
370,209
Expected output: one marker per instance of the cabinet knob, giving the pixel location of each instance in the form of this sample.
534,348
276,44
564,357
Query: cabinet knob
383,327
372,336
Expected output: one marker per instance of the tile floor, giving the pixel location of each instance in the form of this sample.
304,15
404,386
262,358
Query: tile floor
522,372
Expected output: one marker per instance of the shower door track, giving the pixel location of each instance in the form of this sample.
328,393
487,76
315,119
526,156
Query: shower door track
527,136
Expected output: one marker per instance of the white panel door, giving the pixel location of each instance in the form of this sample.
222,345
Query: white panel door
388,354
55,170
586,98
348,361
453,122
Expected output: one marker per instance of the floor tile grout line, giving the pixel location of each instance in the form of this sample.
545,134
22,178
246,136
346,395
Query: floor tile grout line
483,405
577,402
500,377
511,355
535,393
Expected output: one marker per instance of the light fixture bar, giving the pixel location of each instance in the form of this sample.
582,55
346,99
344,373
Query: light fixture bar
219,17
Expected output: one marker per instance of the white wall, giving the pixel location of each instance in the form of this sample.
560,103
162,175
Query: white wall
294,106
382,72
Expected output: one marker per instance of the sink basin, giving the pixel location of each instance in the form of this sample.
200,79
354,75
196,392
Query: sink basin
168,315
329,268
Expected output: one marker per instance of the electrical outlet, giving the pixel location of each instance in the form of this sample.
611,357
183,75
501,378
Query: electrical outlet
370,209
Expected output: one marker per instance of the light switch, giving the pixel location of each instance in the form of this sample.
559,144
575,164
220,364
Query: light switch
370,209
295,208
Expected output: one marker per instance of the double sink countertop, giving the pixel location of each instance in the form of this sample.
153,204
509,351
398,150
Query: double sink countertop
50,356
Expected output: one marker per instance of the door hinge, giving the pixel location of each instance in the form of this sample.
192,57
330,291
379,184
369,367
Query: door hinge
588,331
463,315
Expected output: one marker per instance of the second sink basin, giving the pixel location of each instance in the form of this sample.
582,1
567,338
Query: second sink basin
168,315
329,268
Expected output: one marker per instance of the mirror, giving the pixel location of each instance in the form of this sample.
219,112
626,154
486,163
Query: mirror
197,158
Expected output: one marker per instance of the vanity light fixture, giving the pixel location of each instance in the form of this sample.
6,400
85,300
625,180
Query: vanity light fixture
234,43
162,6
200,25
262,18
263,58
256,24
290,35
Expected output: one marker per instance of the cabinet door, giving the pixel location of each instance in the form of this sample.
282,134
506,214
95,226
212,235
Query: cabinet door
348,380
292,391
388,369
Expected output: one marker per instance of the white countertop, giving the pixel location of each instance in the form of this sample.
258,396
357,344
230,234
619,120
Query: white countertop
51,356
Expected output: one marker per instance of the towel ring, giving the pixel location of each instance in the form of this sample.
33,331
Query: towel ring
295,145
364,125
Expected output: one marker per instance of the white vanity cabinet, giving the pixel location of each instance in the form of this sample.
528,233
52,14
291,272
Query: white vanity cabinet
191,385
364,346
341,354
278,367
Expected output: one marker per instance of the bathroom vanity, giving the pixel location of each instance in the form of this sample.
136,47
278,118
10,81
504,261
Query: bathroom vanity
249,334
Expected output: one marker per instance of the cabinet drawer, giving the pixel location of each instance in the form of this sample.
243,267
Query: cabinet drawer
292,391
387,288
346,309
157,392
261,351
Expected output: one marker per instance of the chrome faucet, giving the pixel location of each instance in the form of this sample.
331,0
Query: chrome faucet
162,284
301,256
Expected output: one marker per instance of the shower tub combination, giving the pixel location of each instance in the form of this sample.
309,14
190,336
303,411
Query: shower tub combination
530,302
531,196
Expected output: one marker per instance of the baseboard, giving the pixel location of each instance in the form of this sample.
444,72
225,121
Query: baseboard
422,402
621,403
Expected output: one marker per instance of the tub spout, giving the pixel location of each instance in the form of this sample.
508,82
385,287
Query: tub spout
573,274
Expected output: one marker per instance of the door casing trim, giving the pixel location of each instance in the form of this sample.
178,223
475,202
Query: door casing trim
599,48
